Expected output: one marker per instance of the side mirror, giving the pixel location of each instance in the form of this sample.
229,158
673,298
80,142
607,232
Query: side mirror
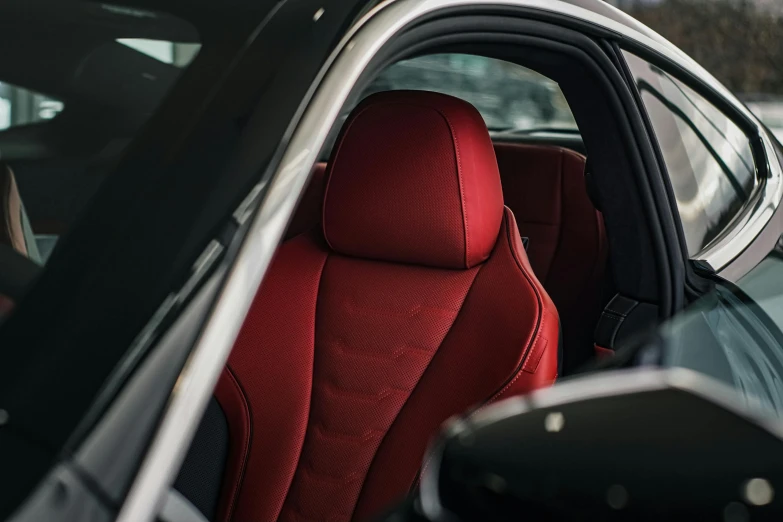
633,445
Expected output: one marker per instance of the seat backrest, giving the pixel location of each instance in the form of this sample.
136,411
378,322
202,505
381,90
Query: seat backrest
545,188
414,303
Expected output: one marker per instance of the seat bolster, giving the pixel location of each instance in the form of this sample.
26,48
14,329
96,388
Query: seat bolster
272,361
233,401
503,343
539,367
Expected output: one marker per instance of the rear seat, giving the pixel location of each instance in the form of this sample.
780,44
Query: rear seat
544,186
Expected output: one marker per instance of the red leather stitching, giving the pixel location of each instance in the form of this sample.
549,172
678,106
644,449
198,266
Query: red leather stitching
539,300
343,347
461,187
331,434
330,168
395,313
520,369
362,396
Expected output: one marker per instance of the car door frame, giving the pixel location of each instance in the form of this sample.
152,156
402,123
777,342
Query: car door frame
754,231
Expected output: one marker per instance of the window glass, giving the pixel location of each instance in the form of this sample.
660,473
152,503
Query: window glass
45,244
735,335
732,341
708,157
20,106
179,54
508,96
101,87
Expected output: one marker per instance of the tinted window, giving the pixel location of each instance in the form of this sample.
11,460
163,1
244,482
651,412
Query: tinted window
733,335
20,106
708,157
508,96
177,54
89,76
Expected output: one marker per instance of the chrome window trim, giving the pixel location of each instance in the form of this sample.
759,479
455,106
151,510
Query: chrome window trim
339,75
751,222
766,194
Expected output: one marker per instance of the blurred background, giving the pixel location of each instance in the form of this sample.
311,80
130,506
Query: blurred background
739,41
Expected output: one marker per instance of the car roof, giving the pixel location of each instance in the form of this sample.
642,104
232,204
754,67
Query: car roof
599,7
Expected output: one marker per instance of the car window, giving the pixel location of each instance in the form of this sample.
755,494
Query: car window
20,106
509,97
708,157
734,335
770,112
764,284
45,244
89,82
177,54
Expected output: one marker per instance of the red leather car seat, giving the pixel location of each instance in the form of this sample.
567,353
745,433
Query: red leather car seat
416,303
545,188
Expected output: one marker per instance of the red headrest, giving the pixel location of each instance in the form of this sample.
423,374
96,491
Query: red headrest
413,179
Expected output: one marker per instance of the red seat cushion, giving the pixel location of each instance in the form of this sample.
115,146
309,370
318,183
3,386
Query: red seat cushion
357,349
545,188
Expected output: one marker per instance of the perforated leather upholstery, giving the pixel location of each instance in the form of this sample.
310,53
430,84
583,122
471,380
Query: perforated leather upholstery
416,303
545,188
